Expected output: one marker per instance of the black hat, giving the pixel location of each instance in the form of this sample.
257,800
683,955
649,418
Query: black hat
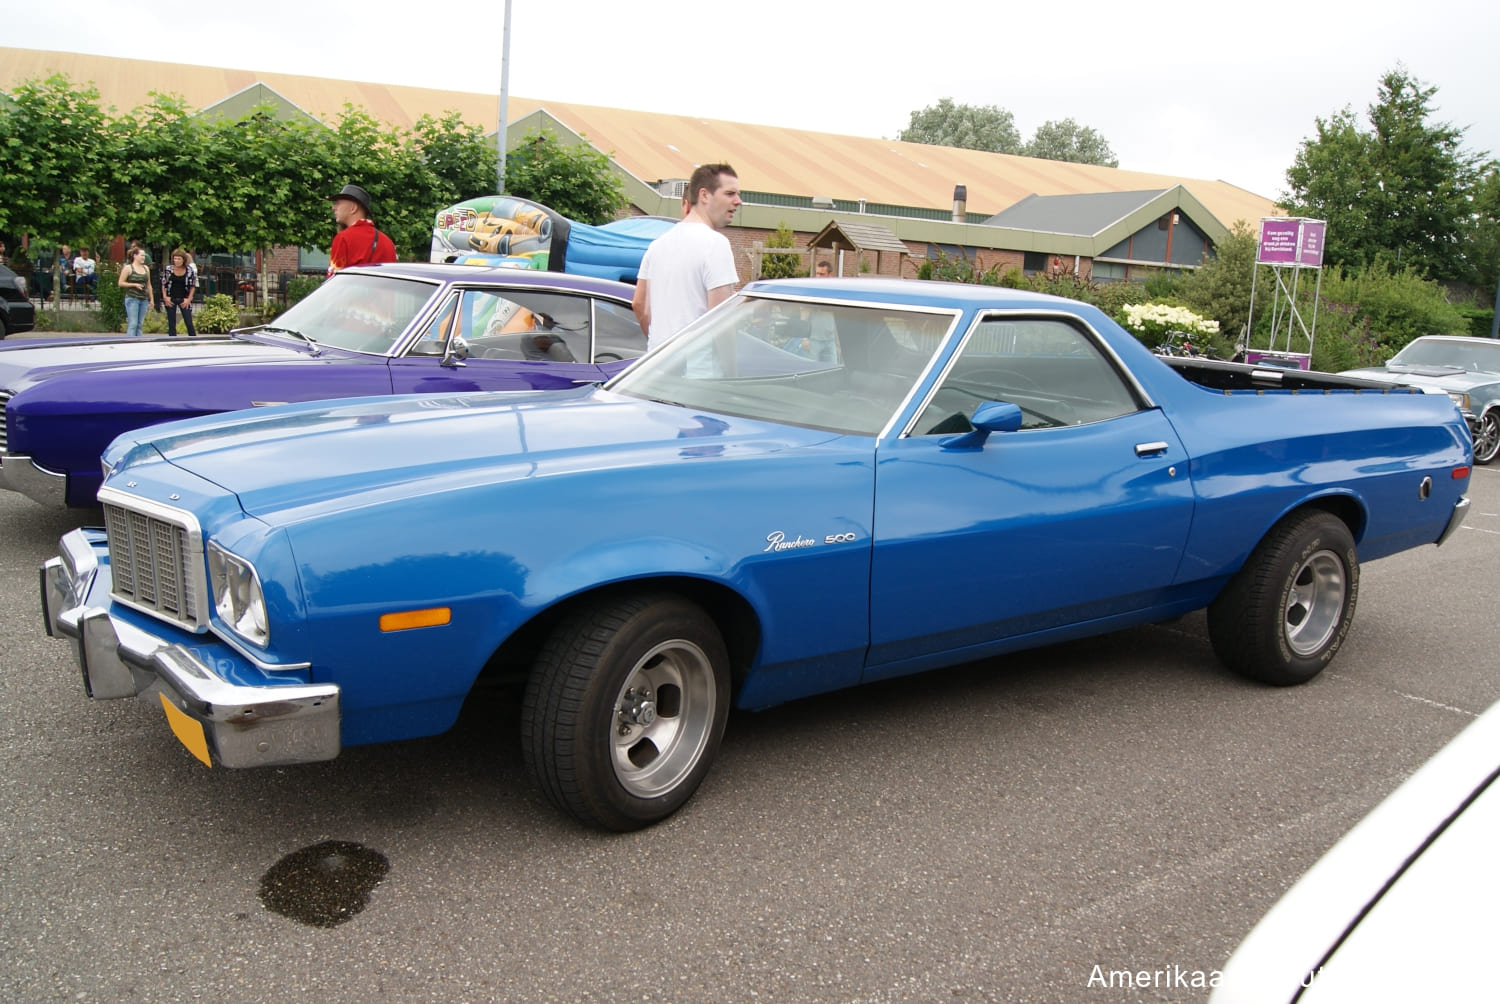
356,193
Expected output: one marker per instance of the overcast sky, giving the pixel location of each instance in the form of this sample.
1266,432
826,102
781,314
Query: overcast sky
1189,89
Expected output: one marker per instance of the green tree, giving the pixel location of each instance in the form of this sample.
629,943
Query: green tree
971,127
1404,187
575,180
274,181
170,176
1220,287
1064,139
1484,251
54,159
462,163
163,174
781,266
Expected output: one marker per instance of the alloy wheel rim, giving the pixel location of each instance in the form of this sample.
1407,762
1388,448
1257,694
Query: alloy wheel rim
662,719
1315,603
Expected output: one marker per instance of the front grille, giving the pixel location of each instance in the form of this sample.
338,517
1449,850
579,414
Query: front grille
4,399
154,564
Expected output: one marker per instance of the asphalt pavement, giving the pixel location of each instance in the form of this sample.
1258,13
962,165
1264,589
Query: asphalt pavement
1015,829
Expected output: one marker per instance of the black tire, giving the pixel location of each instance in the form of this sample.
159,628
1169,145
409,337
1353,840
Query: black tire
1487,438
1284,615
625,708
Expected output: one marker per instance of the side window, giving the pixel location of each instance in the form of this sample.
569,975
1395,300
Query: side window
1053,371
435,336
617,334
518,324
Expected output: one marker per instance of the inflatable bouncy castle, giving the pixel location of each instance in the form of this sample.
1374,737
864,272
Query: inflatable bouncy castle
518,233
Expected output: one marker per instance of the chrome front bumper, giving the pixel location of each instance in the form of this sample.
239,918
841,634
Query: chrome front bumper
242,725
21,474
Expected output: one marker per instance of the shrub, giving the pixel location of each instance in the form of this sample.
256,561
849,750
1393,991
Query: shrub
1153,323
299,287
944,267
218,315
111,296
1110,297
781,266
1394,306
1344,339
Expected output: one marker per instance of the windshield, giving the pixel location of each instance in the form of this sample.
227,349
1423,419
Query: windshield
366,313
1470,356
811,363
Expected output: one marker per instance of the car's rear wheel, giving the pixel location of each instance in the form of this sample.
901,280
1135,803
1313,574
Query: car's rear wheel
625,708
1284,615
1487,438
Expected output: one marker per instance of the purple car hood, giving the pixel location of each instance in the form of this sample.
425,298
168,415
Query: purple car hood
351,453
26,365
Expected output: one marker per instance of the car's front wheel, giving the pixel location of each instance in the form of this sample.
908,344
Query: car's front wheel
1283,616
625,708
1487,438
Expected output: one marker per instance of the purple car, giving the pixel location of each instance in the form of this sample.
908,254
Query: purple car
389,329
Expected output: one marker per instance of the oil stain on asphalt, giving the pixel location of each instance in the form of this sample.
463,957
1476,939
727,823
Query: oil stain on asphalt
323,885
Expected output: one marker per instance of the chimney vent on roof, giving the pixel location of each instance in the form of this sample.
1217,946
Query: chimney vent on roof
960,203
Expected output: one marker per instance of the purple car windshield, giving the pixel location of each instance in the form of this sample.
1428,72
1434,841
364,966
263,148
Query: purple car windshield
360,312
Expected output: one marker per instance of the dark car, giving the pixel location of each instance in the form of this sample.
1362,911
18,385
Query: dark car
16,312
389,329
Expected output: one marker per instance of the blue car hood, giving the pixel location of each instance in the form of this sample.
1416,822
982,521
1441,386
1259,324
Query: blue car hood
26,365
335,455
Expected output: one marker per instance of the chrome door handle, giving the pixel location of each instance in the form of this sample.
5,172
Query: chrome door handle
1150,449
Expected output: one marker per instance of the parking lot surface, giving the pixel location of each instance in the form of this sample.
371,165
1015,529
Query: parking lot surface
1019,829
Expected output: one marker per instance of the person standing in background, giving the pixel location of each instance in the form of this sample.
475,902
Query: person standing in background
135,279
689,270
358,242
178,282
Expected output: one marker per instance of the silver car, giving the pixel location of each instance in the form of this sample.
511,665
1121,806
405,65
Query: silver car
1466,369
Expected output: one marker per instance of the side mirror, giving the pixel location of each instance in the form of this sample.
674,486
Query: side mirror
991,416
458,351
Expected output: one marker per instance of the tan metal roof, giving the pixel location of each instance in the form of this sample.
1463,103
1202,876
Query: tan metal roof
654,146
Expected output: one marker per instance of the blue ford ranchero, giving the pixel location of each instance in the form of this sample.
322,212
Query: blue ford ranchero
740,518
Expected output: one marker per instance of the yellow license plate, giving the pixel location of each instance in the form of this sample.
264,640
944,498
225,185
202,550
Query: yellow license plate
187,731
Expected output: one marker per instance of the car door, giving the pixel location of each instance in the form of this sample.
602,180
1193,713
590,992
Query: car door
516,339
1080,514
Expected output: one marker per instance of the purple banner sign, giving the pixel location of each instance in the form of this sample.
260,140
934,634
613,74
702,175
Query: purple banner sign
1311,251
1278,242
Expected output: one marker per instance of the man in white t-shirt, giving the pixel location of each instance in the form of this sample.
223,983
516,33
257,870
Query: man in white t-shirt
690,269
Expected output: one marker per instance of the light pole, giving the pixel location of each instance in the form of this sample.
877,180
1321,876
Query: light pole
504,96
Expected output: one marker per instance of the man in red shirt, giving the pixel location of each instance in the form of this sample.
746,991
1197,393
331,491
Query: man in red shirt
357,242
